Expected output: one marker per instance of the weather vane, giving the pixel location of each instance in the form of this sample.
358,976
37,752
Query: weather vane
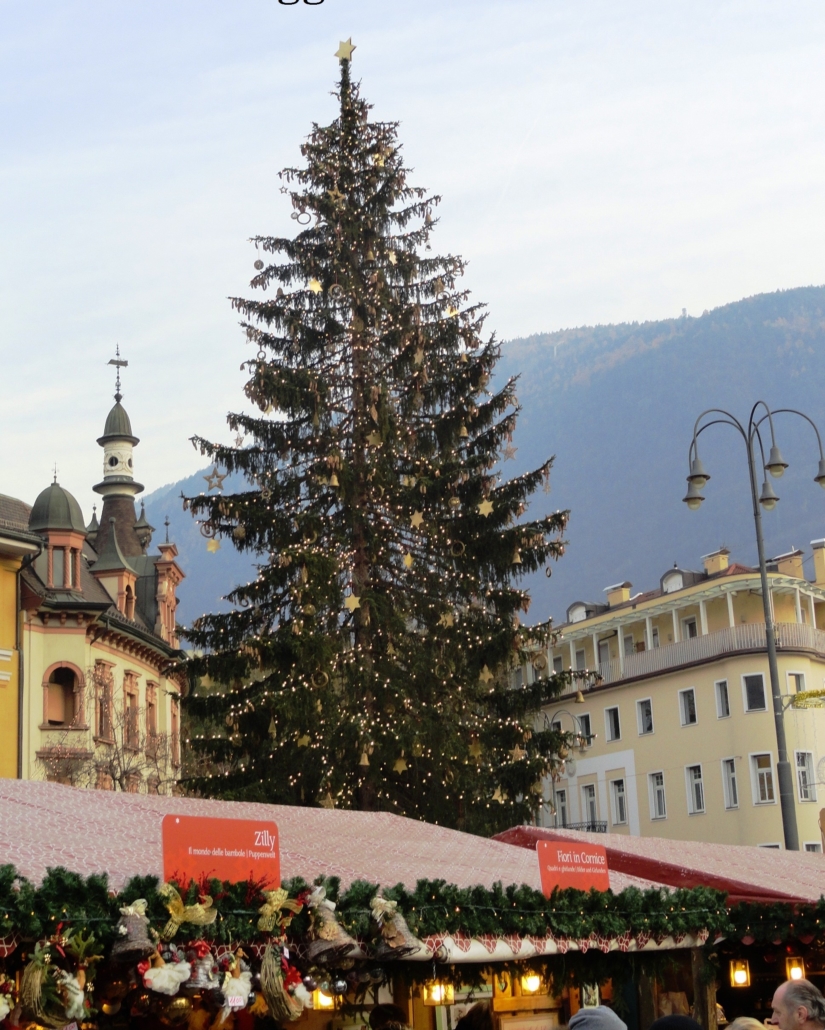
119,363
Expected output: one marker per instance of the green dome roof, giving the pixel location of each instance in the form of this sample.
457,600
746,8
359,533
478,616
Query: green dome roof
118,424
55,508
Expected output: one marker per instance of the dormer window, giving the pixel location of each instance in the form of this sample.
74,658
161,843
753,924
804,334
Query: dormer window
577,613
672,581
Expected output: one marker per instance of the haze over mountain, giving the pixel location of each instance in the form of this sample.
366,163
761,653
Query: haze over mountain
616,404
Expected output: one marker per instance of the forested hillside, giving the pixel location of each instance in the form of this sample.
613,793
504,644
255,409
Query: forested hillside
616,405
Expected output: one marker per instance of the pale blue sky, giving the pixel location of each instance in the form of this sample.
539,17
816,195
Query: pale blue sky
599,162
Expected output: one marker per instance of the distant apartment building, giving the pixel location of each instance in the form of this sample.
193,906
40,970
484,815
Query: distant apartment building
676,737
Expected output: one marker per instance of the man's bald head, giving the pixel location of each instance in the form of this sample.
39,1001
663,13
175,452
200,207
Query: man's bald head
798,1005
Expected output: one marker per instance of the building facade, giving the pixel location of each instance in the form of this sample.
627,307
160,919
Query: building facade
16,545
100,704
674,736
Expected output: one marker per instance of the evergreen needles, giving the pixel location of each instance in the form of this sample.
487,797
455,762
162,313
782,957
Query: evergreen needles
368,664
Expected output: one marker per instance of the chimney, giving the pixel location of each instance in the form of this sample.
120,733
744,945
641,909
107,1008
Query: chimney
716,561
788,564
618,594
818,547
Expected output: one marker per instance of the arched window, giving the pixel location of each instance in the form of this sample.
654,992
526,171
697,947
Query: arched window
61,697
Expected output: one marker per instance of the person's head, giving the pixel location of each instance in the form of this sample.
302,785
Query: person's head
600,1017
675,1023
797,1004
383,1016
746,1023
479,1017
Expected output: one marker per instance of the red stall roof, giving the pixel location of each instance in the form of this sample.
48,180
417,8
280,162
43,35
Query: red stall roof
746,873
97,831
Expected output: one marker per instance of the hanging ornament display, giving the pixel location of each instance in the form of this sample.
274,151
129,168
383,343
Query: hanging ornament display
395,938
259,265
329,942
133,942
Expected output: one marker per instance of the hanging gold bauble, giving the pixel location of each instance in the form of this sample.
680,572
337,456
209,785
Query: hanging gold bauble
364,759
463,432
333,480
516,557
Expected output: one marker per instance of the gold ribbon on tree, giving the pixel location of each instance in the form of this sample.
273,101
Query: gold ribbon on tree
270,911
200,914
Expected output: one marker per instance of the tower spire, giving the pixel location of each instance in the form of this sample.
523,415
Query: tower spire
119,363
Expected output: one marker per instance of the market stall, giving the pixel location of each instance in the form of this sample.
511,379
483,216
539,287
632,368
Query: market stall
98,929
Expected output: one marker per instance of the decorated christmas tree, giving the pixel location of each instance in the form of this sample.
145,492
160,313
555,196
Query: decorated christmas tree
369,664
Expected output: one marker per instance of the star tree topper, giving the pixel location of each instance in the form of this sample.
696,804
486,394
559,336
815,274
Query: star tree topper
345,49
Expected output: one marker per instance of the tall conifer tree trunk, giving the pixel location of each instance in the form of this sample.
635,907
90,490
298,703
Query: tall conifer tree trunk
369,663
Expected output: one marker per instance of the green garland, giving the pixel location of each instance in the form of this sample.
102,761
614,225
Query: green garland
433,907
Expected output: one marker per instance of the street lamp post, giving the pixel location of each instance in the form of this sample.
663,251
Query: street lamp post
582,740
767,499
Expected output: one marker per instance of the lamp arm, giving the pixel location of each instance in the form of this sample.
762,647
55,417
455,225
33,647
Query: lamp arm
810,421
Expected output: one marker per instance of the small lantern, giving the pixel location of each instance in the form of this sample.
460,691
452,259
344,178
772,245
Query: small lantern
740,973
530,983
322,1001
437,993
794,968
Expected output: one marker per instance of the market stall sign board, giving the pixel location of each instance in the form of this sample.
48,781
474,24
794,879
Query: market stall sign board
570,864
229,849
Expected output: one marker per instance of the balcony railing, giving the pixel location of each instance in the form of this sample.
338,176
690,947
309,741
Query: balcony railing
593,826
792,636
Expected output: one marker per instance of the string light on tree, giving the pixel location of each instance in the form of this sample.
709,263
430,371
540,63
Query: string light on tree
377,633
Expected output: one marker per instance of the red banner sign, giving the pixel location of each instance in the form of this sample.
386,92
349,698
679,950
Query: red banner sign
569,864
229,849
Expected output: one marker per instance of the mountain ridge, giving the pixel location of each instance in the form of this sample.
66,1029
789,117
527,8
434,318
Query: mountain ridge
616,404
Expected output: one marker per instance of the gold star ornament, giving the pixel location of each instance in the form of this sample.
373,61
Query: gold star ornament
315,286
485,676
417,519
214,480
352,602
303,741
213,545
447,619
408,560
328,801
400,765
485,508
475,750
345,49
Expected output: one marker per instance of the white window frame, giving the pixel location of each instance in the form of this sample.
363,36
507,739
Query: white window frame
718,693
654,635
812,847
628,637
607,726
685,623
558,663
581,651
730,806
589,737
793,672
749,711
652,789
690,783
614,799
752,756
562,808
682,693
811,778
652,730
588,793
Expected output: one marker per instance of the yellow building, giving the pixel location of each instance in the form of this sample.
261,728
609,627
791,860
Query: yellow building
675,737
16,544
97,630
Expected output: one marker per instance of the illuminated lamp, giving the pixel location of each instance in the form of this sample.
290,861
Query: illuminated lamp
740,973
794,968
322,1001
437,993
530,983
